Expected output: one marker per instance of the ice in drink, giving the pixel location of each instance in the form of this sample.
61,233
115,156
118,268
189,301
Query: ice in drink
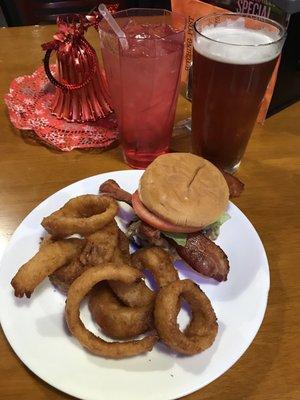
232,66
144,82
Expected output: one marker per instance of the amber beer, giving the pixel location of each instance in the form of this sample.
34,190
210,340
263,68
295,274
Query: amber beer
232,66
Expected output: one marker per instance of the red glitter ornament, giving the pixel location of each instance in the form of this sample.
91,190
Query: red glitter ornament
81,93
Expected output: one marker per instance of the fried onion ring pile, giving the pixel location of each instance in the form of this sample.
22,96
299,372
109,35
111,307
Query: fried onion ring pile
83,215
202,329
79,289
99,265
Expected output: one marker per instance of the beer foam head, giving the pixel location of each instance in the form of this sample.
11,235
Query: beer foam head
232,43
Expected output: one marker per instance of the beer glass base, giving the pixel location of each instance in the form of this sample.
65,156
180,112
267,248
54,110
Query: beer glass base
232,170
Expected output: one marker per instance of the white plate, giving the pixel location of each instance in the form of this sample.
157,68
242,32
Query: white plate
36,330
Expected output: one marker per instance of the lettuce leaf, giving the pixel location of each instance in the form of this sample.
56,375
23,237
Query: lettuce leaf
212,231
179,238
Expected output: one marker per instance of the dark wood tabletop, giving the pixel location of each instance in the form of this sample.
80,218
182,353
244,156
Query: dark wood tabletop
30,172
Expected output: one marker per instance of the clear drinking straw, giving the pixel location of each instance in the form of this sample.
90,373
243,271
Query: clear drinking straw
114,26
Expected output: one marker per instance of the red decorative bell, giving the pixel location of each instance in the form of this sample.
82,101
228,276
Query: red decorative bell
81,93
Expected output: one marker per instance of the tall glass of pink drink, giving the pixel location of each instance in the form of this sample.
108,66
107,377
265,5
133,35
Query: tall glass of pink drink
144,79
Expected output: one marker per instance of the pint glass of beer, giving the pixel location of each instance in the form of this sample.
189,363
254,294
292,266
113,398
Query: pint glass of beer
233,61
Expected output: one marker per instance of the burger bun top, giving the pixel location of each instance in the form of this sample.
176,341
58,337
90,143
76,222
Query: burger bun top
184,189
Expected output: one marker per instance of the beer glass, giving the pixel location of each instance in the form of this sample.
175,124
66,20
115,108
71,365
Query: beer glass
233,61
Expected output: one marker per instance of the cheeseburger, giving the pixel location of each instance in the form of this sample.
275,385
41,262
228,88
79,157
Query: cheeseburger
180,205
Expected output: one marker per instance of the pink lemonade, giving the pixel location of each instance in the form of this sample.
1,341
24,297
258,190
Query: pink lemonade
144,83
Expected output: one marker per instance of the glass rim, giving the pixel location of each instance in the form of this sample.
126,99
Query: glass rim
165,12
269,21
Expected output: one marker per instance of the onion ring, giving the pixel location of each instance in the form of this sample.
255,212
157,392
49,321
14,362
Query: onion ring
84,215
133,295
201,331
115,319
158,262
50,257
78,290
160,265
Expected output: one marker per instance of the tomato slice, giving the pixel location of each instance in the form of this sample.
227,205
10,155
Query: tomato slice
156,222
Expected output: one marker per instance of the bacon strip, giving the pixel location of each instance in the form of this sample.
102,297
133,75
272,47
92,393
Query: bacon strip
112,189
204,256
234,184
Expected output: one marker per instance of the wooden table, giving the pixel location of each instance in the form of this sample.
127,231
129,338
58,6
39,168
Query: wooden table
30,172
